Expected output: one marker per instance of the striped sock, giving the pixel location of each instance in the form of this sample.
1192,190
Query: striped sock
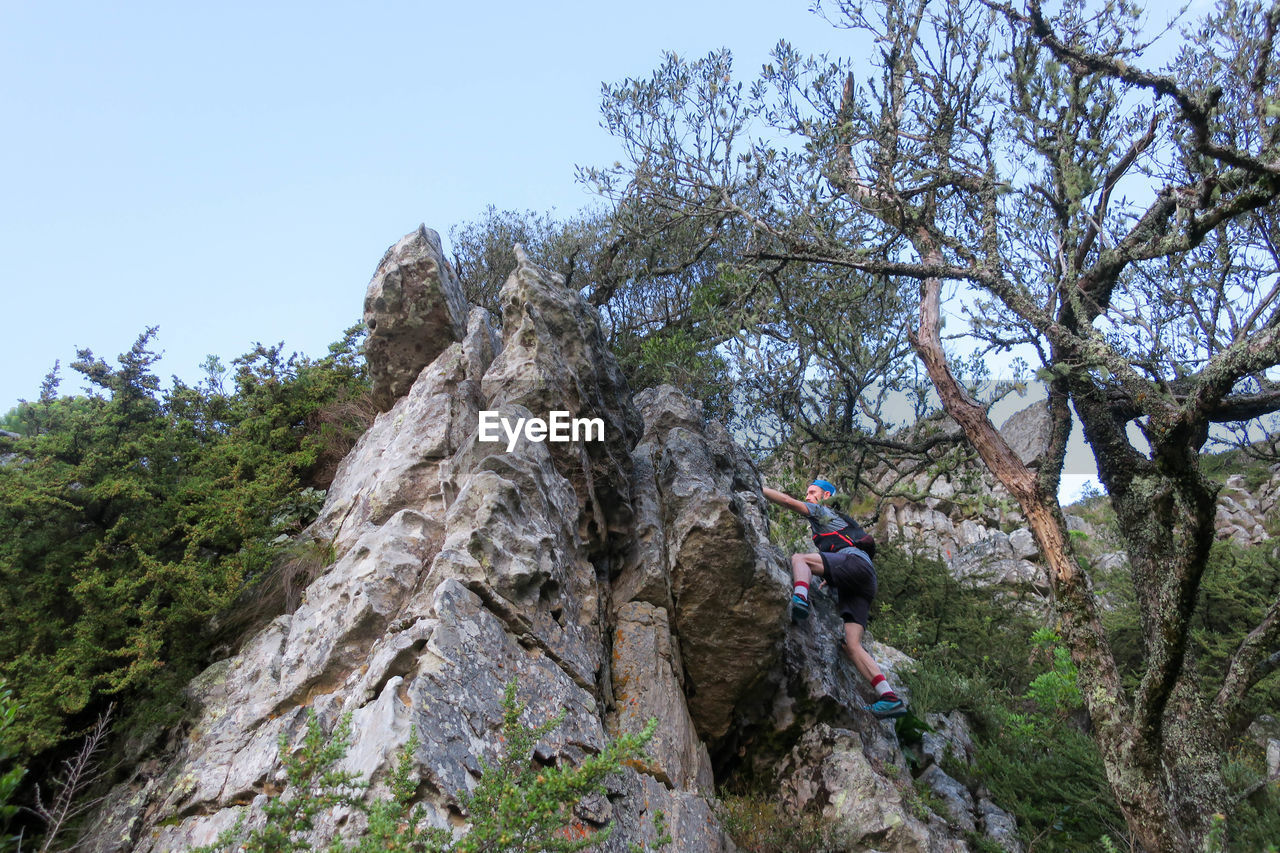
883,690
802,589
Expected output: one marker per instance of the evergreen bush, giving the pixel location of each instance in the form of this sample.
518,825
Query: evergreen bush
517,805
133,515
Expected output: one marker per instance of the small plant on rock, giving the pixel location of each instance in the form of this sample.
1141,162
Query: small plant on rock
517,805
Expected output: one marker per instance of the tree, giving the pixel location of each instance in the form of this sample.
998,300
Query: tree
133,516
1119,223
658,301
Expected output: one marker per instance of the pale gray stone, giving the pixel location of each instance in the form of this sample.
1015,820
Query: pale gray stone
954,796
405,458
727,581
999,826
414,309
986,561
646,685
1024,545
1024,573
1077,523
1028,432
644,575
1111,561
951,738
555,358
828,770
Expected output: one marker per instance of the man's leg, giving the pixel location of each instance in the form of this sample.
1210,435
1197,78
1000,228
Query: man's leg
888,705
803,568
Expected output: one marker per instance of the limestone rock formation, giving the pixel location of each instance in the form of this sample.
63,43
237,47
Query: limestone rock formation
965,526
414,308
1027,432
727,583
614,580
1243,512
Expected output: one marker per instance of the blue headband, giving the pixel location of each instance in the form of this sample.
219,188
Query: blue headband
824,485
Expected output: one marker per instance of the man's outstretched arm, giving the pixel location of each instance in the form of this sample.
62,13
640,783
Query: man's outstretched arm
786,500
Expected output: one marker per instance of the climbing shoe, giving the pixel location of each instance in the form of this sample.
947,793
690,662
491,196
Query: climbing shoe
887,709
799,608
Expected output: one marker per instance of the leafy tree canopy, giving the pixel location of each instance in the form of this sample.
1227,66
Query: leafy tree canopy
1017,166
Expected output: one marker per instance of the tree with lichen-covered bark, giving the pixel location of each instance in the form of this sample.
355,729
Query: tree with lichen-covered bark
1020,165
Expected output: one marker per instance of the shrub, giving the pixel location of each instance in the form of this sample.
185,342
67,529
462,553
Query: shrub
517,805
757,823
11,772
133,516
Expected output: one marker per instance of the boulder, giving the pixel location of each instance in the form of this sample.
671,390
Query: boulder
1000,826
414,308
827,772
728,582
950,739
1024,545
954,796
1028,432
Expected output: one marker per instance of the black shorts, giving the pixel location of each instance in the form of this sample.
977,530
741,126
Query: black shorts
854,578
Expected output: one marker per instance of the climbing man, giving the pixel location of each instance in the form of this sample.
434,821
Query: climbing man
843,560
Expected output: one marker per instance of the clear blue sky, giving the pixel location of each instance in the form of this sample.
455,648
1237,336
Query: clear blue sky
232,172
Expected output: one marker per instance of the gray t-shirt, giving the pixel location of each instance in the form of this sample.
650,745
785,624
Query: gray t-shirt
823,520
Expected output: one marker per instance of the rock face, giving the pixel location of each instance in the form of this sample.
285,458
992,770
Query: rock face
1028,432
615,580
970,522
1243,512
414,309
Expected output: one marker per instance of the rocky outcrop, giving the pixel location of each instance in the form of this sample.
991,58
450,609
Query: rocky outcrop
554,358
829,770
414,309
968,520
615,579
1028,432
1243,512
726,581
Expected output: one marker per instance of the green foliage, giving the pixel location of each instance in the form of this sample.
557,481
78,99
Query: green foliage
1238,585
1038,766
1050,775
11,772
676,357
1055,690
517,805
133,515
978,653
11,421
314,787
663,305
484,253
757,823
1254,823
924,611
1218,466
